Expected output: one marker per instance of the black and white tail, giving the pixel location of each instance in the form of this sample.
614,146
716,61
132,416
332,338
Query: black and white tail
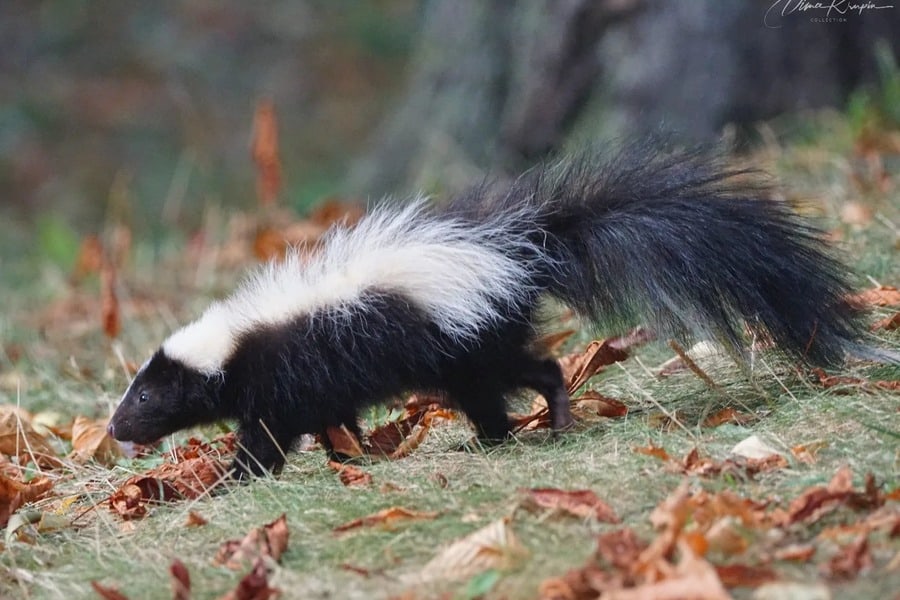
684,244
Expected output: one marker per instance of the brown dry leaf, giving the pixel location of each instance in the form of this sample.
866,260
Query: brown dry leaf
806,453
596,404
494,546
14,494
19,439
692,577
828,381
270,540
387,518
181,581
254,585
817,501
579,503
620,549
853,559
728,415
344,442
796,552
882,295
350,475
738,575
578,367
269,244
195,519
128,502
417,435
654,451
90,257
90,440
109,302
333,210
888,323
264,149
188,479
108,593
551,342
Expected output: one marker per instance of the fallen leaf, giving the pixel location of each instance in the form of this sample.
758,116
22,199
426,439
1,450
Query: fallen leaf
15,494
806,453
195,519
350,475
19,439
596,404
90,440
108,593
343,442
578,367
579,503
853,559
188,479
270,540
494,546
727,415
335,211
888,323
738,575
254,585
387,518
181,581
551,342
796,552
654,451
817,501
882,295
753,447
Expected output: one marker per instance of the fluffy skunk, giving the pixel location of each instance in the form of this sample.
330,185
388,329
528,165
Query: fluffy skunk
420,297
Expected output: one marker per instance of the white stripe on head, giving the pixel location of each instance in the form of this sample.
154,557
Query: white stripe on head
458,273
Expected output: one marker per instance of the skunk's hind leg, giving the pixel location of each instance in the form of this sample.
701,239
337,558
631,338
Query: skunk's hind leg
544,376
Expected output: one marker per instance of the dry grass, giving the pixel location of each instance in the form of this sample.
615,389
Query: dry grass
68,367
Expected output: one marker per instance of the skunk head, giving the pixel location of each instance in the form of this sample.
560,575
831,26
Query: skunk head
164,397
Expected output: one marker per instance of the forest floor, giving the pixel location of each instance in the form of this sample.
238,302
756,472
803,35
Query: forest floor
623,501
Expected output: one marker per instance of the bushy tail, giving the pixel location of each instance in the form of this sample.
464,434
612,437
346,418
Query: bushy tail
688,246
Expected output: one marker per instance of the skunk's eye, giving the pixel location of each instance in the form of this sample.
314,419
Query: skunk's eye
143,397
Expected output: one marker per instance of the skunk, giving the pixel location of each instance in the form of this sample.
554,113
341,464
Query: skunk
419,297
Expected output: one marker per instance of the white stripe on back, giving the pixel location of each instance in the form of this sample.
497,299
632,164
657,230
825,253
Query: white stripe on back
460,274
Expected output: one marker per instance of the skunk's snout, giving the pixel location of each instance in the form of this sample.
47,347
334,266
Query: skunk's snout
111,430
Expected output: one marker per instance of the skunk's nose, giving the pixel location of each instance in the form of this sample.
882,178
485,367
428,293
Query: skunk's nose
111,430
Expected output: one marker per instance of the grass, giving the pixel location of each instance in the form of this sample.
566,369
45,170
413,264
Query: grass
60,361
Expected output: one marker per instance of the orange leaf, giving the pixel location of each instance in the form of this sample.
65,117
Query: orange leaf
90,257
343,441
254,585
744,575
386,518
888,323
579,503
181,581
654,451
90,440
14,494
269,540
108,593
883,295
350,475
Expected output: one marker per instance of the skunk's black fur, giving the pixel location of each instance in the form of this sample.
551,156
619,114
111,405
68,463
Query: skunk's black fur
674,240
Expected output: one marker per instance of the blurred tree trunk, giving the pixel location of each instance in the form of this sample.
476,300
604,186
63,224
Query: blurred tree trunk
495,84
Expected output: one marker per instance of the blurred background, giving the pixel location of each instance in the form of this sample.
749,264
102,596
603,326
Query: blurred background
145,109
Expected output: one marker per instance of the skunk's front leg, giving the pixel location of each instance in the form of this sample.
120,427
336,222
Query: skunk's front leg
261,450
